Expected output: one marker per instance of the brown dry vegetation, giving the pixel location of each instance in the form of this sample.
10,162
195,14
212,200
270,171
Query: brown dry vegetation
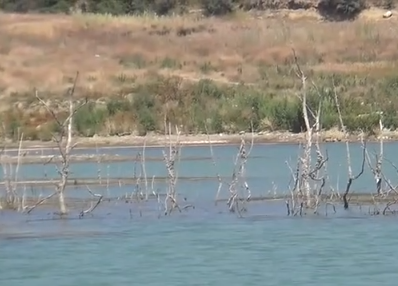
46,50
112,53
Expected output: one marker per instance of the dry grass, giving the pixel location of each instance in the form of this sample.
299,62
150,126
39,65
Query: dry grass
46,50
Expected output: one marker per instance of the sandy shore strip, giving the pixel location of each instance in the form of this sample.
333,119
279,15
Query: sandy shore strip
156,140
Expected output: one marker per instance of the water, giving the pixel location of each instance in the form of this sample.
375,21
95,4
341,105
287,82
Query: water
206,245
267,169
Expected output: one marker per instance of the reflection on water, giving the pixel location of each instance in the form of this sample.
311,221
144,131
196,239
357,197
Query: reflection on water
206,245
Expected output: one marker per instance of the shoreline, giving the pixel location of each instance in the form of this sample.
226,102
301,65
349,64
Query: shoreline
156,140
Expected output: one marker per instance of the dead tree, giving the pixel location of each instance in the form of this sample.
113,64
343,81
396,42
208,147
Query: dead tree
318,172
220,181
12,199
99,171
239,190
98,198
351,177
173,154
392,189
314,174
137,193
305,160
143,171
171,200
304,194
291,205
65,130
377,169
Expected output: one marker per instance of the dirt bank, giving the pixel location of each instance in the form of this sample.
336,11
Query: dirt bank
156,140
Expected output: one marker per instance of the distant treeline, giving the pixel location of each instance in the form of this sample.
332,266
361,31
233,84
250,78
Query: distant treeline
332,9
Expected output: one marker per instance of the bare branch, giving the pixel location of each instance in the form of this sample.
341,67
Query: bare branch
220,182
389,204
30,209
143,170
306,157
64,151
169,160
47,107
93,207
351,178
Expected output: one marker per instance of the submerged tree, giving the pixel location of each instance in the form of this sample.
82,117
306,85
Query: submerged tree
12,198
305,193
64,143
351,177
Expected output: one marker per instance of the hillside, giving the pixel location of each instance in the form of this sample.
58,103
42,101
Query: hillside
138,70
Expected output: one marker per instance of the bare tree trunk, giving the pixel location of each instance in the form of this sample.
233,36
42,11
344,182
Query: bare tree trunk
351,177
62,206
12,198
304,186
239,179
143,170
65,167
309,195
377,170
65,152
170,202
306,163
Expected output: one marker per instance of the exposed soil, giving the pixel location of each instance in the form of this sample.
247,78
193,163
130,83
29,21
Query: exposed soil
195,140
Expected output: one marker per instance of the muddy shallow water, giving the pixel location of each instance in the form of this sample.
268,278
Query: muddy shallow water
127,243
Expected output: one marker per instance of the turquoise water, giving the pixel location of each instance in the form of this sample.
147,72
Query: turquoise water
205,251
206,245
267,169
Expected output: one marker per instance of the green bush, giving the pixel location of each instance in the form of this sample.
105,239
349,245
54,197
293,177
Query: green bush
286,115
341,10
113,7
164,7
202,105
115,106
89,120
389,4
147,121
217,7
216,125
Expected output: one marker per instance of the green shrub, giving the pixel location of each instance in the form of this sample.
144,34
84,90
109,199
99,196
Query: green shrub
217,7
163,7
89,120
222,108
341,10
287,115
216,125
113,7
147,121
389,4
41,6
115,106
